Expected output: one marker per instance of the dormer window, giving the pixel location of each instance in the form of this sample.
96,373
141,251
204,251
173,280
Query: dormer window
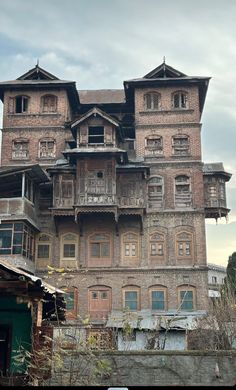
21,104
96,135
179,100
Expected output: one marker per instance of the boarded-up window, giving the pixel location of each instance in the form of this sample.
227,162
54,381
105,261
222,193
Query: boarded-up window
49,103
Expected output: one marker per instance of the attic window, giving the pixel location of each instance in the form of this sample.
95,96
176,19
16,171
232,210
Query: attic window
96,135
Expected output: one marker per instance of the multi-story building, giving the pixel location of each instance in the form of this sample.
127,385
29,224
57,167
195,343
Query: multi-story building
110,186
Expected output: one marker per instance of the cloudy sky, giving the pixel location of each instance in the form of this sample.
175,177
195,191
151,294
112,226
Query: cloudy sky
101,43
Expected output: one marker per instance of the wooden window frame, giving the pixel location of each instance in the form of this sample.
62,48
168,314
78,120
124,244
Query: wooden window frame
99,289
71,313
52,107
22,153
185,241
177,148
182,100
94,241
130,242
69,241
152,184
135,289
187,288
153,241
154,144
47,154
43,262
161,289
182,191
48,243
24,103
98,136
149,100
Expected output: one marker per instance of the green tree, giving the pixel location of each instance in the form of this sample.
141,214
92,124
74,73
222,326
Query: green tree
231,271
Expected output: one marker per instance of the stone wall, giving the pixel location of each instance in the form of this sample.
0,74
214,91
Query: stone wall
153,368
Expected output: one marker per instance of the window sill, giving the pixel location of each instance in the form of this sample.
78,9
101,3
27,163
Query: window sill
173,110
20,159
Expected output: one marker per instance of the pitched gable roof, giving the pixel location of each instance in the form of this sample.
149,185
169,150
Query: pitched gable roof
93,112
164,71
37,73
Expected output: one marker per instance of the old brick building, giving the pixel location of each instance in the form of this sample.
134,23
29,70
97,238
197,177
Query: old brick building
110,185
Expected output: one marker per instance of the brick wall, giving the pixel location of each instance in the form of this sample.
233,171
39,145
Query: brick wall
35,125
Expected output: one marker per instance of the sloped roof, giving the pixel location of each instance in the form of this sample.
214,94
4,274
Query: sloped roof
165,75
102,96
94,112
37,73
35,172
146,319
162,71
46,287
216,168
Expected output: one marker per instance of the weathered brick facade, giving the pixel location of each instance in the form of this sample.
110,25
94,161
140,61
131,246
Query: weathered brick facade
123,210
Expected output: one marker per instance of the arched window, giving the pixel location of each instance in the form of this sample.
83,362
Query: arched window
69,249
99,302
43,250
131,297
20,149
49,103
153,144
155,191
99,245
130,244
187,297
180,145
158,297
71,301
47,148
184,246
157,246
180,100
183,197
152,101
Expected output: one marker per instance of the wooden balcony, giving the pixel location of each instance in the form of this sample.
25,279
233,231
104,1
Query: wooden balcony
18,208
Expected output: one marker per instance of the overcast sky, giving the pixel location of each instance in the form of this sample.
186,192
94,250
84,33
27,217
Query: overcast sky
101,43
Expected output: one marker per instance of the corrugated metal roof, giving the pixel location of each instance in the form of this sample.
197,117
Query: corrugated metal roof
47,287
146,319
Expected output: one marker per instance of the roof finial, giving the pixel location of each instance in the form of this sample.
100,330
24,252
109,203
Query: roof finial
37,63
164,66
